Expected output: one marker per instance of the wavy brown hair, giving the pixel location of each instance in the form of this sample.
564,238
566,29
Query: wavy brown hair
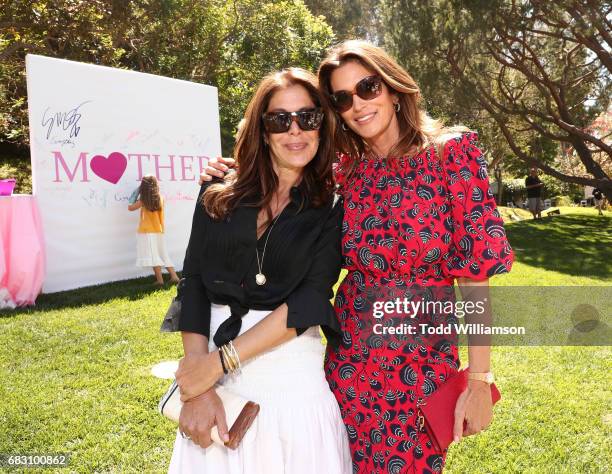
255,181
417,129
149,193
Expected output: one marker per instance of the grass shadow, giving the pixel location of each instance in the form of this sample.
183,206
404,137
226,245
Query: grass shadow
133,289
578,245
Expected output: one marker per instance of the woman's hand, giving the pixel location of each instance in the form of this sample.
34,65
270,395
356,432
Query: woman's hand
217,168
200,414
474,406
197,373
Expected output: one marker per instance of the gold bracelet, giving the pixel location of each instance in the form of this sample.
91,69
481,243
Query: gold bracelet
231,366
235,355
230,357
226,359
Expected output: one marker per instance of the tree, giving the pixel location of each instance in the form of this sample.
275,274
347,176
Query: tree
350,18
228,44
539,70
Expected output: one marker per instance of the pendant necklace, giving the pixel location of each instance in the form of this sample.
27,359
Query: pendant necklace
260,278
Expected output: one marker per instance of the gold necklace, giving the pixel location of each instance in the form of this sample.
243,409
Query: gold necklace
260,278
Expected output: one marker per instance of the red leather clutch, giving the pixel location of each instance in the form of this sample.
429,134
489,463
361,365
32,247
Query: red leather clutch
439,409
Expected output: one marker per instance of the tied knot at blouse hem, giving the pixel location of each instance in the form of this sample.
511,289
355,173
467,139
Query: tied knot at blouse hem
301,264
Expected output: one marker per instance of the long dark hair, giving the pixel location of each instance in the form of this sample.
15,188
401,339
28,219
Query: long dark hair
255,180
149,193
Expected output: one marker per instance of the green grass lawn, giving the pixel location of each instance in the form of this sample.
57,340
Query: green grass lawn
76,379
574,248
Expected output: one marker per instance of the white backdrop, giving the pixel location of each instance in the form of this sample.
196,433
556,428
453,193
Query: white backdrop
94,132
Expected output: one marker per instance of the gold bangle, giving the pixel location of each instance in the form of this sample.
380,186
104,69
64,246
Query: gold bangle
234,353
228,362
232,359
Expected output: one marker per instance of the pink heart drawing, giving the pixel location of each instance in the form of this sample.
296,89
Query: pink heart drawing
110,169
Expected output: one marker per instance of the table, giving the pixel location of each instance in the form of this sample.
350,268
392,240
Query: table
22,251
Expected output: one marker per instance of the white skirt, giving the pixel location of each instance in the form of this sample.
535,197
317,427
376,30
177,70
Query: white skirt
299,429
151,251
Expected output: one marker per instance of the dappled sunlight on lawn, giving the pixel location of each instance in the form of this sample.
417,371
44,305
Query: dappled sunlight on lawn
576,245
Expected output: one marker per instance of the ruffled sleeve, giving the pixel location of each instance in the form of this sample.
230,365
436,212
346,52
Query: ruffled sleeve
479,247
309,304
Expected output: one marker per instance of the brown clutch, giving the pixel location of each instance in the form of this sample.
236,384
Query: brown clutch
242,424
240,413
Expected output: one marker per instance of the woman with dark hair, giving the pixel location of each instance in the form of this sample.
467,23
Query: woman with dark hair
263,255
418,216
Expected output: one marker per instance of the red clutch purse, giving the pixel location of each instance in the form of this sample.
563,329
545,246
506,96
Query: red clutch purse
438,410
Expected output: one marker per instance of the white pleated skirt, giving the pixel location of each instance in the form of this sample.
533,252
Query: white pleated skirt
151,251
298,430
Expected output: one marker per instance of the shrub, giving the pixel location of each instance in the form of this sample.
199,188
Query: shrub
561,201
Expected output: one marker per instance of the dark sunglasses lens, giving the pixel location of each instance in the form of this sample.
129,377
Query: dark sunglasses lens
310,120
342,101
369,87
277,123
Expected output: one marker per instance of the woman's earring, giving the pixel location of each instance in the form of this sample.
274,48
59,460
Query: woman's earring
345,127
397,106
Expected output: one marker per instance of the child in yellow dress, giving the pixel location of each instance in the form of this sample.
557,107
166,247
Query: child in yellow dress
151,247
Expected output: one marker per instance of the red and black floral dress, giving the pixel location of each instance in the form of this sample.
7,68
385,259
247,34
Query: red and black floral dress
422,221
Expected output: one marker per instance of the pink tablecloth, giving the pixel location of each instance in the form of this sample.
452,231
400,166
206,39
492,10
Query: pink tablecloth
22,251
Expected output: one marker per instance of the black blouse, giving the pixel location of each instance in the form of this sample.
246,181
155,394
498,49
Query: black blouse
301,264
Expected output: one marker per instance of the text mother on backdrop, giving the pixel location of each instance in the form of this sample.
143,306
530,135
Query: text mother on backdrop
417,212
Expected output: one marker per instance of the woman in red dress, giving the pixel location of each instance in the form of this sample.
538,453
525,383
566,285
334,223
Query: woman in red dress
418,213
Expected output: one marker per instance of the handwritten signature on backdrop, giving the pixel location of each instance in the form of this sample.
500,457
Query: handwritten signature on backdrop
63,127
104,198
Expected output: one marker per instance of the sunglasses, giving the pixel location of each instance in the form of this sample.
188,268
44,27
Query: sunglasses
280,122
368,88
